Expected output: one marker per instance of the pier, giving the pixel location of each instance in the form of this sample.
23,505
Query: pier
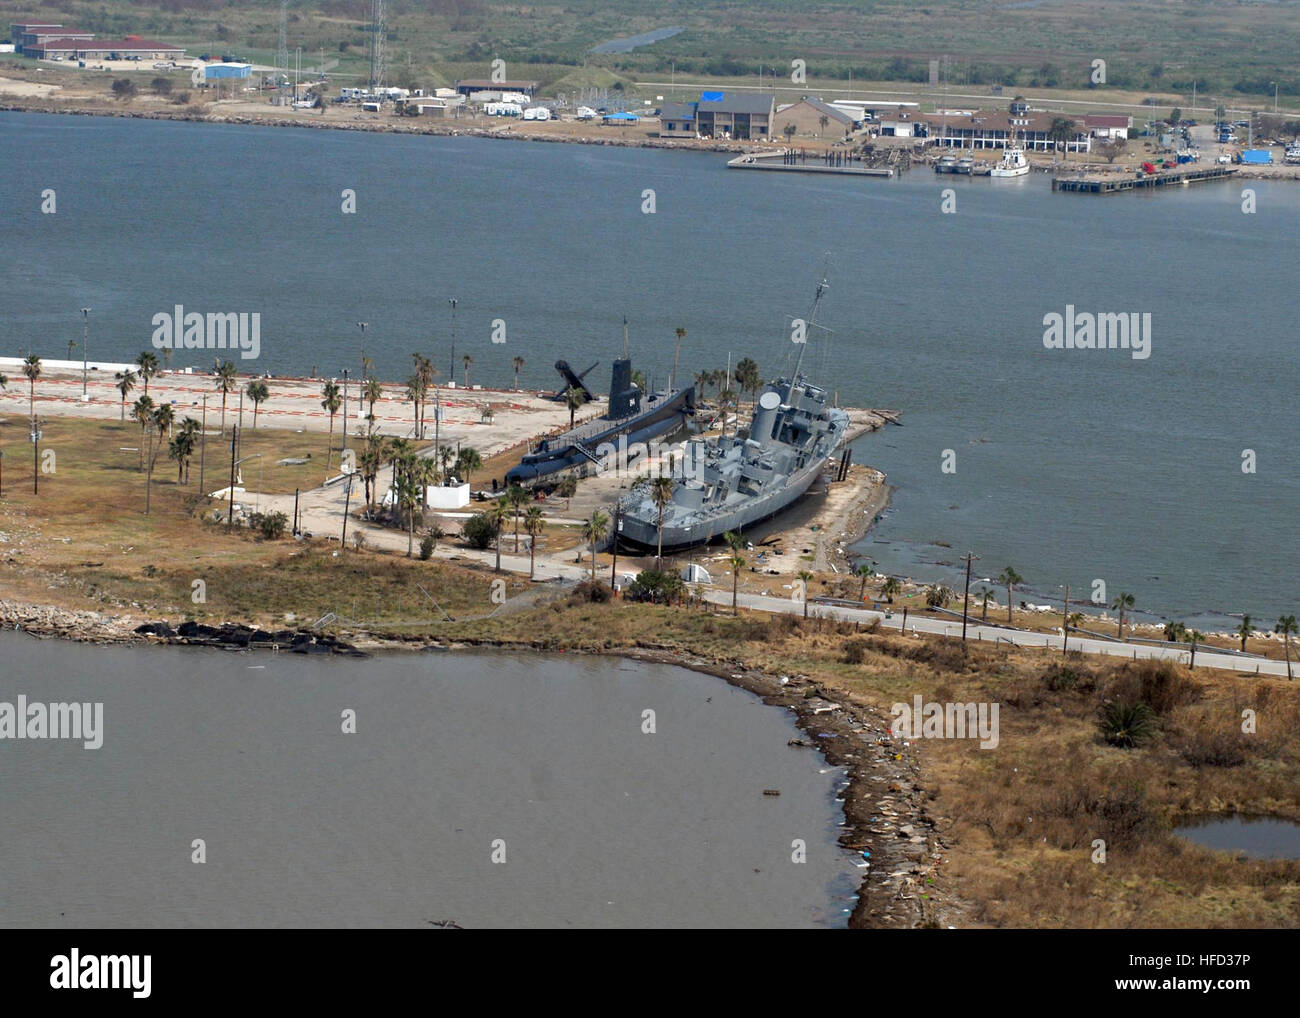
794,162
1101,184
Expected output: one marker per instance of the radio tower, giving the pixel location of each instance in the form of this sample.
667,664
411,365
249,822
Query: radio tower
378,29
282,58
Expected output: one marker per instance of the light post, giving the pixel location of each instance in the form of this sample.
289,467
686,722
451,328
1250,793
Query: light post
965,601
85,329
362,327
345,409
451,372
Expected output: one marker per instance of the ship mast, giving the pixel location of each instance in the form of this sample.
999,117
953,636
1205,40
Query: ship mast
812,318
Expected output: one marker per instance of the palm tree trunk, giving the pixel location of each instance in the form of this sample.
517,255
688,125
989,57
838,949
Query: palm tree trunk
659,555
223,410
1009,590
735,580
410,529
498,544
532,551
516,530
329,445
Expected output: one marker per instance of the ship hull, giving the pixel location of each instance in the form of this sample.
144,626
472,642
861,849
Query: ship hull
643,534
660,420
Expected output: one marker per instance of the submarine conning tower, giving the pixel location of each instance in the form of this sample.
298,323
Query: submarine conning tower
624,397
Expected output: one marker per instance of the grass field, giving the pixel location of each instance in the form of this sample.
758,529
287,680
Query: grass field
1234,47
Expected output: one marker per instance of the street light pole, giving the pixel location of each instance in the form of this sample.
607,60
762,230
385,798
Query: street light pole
85,328
451,373
362,327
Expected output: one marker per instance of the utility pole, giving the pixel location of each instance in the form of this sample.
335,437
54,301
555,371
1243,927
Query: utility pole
85,328
148,475
203,442
1065,628
230,492
347,502
965,601
36,455
613,568
345,409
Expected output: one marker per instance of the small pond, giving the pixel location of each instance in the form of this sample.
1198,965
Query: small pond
1255,837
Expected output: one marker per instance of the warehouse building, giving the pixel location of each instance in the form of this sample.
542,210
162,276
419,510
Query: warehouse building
130,48
466,86
37,34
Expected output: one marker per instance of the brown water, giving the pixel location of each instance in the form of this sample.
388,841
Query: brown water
394,825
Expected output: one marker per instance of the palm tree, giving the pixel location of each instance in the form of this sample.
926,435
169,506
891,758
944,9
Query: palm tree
534,523
1009,578
594,530
518,497
414,395
125,383
372,458
467,360
1244,630
985,594
573,398
1194,637
1286,626
725,400
497,515
467,462
181,448
863,569
164,417
32,369
823,120
258,393
517,363
1123,601
890,587
445,456
638,379
226,380
372,393
748,377
806,577
737,563
1060,132
142,412
408,492
147,362
330,404
661,491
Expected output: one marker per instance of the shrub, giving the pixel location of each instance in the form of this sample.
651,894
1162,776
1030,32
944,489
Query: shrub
270,525
1160,685
478,531
427,543
1126,724
1210,745
588,591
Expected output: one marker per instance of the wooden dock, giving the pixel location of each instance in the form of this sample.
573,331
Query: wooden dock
778,161
1101,184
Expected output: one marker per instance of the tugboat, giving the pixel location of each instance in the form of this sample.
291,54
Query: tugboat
1012,164
738,480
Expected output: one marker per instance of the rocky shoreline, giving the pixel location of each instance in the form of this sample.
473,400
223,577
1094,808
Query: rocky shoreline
372,126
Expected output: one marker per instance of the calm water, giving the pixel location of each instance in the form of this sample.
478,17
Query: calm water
1070,465
1256,837
393,825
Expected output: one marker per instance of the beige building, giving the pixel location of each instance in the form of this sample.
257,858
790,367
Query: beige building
807,116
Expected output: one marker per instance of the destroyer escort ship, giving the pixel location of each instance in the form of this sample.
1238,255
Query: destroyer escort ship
736,481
